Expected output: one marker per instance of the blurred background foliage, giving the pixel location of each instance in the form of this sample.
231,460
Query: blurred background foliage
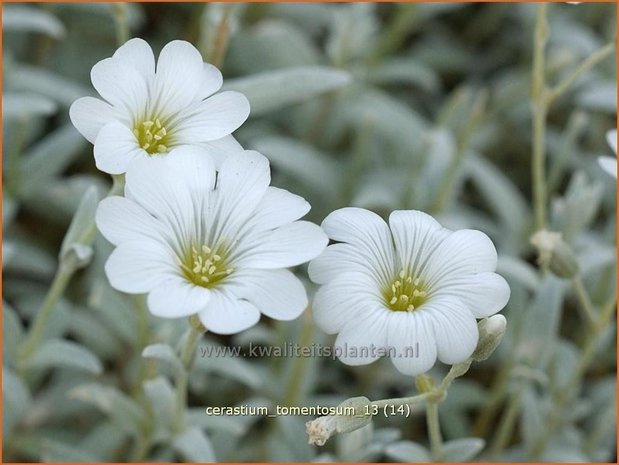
384,106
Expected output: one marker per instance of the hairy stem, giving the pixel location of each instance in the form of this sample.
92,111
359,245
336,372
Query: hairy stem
191,339
540,112
434,431
64,273
119,11
581,69
586,307
506,426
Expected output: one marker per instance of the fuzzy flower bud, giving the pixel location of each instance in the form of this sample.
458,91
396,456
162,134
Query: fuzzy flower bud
356,417
555,253
491,331
321,429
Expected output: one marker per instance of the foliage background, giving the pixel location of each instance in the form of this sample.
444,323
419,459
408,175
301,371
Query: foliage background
390,106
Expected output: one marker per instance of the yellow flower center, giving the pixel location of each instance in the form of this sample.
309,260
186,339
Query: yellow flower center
204,266
152,136
405,294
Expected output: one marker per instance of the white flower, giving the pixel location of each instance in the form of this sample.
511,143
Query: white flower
411,287
148,111
609,164
210,243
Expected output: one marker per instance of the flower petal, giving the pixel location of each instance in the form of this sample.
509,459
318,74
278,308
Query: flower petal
277,208
211,119
416,235
241,184
278,294
137,54
179,78
455,329
344,299
89,115
411,335
290,245
225,315
176,298
212,81
340,258
122,220
137,267
360,342
194,167
121,85
151,183
222,148
483,293
116,148
463,252
368,233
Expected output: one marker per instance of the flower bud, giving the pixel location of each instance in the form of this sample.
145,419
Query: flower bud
491,332
348,423
321,429
555,253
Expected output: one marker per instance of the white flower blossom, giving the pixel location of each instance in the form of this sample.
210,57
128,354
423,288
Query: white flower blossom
609,164
215,244
149,109
411,287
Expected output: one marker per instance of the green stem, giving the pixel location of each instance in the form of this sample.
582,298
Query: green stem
462,144
64,273
119,11
413,400
540,111
54,294
221,38
575,127
297,373
357,160
143,337
586,307
192,337
434,431
497,394
400,26
585,66
506,426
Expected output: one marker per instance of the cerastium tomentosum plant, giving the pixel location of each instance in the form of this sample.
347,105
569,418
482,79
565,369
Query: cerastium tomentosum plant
194,245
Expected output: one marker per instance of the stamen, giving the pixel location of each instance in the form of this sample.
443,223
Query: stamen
406,293
203,267
152,136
